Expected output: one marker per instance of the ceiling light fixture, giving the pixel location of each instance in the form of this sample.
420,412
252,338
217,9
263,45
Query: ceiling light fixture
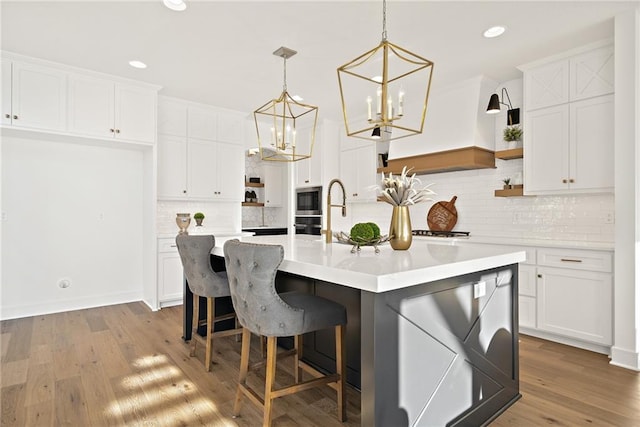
372,97
492,32
286,128
137,64
513,114
177,5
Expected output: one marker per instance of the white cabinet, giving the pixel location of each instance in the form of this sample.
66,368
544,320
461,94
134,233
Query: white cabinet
170,274
194,160
33,96
575,292
214,170
546,85
308,172
358,172
103,108
273,185
569,148
569,124
591,74
172,167
566,295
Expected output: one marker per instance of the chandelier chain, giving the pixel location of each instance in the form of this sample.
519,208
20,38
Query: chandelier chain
384,20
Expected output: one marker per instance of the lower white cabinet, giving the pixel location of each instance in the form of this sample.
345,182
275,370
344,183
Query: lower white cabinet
567,294
575,304
170,275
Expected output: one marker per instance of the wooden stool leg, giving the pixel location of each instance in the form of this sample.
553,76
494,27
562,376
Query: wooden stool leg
297,370
210,326
194,324
341,369
244,369
270,380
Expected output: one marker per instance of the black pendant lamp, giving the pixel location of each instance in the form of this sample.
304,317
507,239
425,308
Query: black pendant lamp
513,114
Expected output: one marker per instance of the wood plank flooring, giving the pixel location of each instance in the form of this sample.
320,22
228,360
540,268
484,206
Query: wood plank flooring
125,365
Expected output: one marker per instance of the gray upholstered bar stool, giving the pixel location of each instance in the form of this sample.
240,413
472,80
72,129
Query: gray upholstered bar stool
251,269
204,282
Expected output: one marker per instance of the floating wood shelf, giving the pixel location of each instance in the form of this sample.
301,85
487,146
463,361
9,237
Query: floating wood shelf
252,204
512,192
515,153
254,184
444,161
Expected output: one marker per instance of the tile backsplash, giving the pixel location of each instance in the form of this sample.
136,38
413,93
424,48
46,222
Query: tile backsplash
219,216
566,217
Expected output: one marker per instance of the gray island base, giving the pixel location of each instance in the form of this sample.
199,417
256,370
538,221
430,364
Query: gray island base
440,351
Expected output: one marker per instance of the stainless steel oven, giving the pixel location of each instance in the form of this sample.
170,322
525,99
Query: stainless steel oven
311,224
309,201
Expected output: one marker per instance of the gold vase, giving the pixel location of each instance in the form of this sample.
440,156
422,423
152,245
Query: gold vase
400,229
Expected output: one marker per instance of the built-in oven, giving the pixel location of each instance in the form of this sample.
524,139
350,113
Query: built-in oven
311,224
309,201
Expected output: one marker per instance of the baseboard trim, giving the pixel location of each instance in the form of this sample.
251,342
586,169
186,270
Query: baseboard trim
625,358
28,310
597,348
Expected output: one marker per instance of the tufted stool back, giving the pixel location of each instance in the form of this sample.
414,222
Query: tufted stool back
195,252
251,269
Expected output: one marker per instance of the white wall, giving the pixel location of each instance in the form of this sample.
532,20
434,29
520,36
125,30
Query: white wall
72,211
626,349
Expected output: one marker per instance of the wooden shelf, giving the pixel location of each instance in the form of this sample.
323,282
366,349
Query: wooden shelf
253,204
444,161
512,192
514,153
254,184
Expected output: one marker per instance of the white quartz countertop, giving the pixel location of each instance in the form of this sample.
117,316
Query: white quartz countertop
424,262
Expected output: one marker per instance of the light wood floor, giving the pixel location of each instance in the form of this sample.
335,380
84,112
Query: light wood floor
125,365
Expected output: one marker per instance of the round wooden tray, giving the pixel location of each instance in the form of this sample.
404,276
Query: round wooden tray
443,215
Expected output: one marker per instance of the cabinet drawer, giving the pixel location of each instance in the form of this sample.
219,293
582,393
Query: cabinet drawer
576,259
167,245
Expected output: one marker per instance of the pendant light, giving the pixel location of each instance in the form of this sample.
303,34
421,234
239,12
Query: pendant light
513,114
385,87
286,127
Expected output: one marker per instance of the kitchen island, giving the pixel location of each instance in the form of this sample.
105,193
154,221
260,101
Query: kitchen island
437,325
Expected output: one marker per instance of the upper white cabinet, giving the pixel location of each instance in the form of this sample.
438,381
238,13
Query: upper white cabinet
568,123
358,172
33,96
51,97
591,74
308,172
200,152
546,85
103,108
274,184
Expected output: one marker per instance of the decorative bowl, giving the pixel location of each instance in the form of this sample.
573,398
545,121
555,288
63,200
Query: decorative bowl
358,243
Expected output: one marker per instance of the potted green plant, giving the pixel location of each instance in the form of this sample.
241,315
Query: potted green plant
512,134
507,183
198,216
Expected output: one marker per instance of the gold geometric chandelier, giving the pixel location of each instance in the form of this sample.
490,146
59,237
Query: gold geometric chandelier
385,91
285,126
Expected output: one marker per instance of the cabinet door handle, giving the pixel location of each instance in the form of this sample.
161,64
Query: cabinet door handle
571,180
184,191
15,117
570,260
117,130
564,181
173,246
539,276
7,116
112,130
306,181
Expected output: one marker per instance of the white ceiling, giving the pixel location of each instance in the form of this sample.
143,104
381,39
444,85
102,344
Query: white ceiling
220,52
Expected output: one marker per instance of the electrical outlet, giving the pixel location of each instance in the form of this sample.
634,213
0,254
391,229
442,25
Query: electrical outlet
479,289
609,218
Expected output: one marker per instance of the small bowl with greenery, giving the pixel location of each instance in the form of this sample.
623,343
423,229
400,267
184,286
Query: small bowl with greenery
198,216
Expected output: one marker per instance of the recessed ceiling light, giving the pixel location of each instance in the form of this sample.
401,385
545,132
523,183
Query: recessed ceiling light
494,32
177,5
137,64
